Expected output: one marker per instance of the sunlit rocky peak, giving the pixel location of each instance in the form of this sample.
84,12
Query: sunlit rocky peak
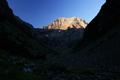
65,23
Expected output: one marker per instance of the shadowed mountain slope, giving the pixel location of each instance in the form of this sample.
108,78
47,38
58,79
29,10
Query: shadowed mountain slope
17,36
107,19
101,42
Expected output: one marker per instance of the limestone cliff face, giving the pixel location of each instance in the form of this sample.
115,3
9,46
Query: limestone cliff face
65,23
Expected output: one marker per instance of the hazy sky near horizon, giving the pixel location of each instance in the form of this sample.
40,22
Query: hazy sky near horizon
42,12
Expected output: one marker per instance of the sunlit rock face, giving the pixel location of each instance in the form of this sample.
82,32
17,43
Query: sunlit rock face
63,32
65,23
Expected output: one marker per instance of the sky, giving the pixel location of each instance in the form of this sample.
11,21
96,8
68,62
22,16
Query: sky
42,12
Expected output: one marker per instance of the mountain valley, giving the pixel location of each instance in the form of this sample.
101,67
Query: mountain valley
67,49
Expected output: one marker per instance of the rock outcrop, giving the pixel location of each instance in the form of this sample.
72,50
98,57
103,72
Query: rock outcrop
65,23
62,32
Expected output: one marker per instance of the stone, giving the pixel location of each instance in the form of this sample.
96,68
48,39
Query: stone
66,23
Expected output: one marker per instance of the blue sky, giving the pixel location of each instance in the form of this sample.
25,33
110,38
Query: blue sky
42,12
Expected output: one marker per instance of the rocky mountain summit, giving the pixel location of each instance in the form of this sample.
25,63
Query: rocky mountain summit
62,32
65,23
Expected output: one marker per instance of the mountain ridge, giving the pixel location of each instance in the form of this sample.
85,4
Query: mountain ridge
63,23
